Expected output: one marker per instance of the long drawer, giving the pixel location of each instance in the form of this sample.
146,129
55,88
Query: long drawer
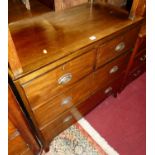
116,47
43,88
76,112
50,110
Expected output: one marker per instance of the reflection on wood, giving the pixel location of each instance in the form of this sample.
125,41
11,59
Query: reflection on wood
64,4
118,3
138,9
13,58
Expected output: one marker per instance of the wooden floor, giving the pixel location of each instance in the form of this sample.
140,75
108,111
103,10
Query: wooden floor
17,10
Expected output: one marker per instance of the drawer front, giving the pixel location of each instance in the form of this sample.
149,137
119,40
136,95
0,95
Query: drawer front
116,47
76,112
45,87
62,123
110,71
49,111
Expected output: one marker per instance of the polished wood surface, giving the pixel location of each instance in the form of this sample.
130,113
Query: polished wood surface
108,50
138,9
47,86
14,62
48,3
21,136
55,64
49,111
121,4
46,113
77,112
72,60
53,38
42,97
91,84
104,74
18,146
12,131
65,4
17,10
141,9
11,128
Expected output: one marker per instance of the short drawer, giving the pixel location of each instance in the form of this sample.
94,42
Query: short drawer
111,71
77,112
51,84
116,47
50,110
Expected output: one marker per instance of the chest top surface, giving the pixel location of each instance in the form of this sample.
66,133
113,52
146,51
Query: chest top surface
42,40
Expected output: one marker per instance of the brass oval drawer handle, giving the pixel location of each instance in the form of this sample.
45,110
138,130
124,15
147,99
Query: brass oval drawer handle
67,119
109,89
120,47
113,70
143,58
66,101
65,78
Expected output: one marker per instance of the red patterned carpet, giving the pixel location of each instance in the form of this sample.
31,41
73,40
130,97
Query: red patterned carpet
121,121
80,139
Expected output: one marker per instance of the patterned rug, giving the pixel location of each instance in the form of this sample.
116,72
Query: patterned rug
80,139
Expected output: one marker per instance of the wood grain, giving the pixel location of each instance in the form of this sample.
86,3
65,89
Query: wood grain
42,89
17,146
63,33
107,51
11,128
49,111
65,4
13,58
76,112
103,74
56,43
17,11
138,9
18,120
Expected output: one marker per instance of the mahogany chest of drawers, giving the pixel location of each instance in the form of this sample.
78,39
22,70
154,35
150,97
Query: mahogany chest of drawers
70,67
